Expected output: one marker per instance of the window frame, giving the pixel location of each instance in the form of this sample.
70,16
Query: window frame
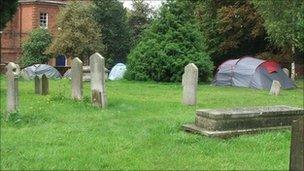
45,19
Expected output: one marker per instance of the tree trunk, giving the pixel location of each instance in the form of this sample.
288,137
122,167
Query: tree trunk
293,64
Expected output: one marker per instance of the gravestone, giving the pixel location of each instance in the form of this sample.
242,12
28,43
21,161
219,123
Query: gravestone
189,83
12,75
286,71
225,123
38,85
297,146
41,85
86,73
97,69
76,76
45,85
275,88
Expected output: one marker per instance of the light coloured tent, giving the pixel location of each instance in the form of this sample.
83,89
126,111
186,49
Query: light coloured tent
251,72
38,70
117,72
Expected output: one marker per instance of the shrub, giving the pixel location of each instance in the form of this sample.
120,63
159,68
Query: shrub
79,35
33,48
172,41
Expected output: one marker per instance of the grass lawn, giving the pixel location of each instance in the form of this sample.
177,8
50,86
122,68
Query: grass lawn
139,130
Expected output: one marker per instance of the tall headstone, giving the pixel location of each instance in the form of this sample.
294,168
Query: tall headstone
76,76
286,71
97,66
297,146
275,88
38,85
44,85
12,75
189,83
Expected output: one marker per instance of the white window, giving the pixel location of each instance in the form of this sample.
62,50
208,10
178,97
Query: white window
43,20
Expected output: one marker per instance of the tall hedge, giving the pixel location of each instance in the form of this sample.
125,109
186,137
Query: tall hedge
171,42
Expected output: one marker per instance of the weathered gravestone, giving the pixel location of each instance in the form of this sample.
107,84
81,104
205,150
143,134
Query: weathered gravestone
286,71
297,146
225,123
189,83
38,85
97,66
12,75
41,85
275,88
45,85
76,76
86,73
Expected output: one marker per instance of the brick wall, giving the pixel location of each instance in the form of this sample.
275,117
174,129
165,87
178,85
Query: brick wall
25,20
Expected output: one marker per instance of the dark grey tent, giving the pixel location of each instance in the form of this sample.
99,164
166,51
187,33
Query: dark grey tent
38,70
251,72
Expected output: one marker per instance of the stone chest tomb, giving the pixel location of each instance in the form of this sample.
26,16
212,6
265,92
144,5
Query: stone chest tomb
230,122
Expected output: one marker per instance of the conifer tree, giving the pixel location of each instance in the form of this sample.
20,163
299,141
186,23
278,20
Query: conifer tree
171,42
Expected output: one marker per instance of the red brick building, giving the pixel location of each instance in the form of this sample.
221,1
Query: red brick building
30,14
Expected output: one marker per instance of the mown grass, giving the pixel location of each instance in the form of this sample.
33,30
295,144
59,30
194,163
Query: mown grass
140,129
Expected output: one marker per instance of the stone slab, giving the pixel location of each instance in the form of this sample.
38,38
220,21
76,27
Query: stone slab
215,122
229,133
278,110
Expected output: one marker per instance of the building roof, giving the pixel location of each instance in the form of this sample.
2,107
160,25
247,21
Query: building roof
58,2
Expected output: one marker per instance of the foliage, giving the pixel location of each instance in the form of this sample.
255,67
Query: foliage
139,18
284,22
7,10
78,33
111,17
172,41
206,14
231,28
33,48
139,131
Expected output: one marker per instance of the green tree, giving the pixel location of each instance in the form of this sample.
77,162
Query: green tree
33,48
284,22
7,10
140,17
231,28
171,42
112,18
78,33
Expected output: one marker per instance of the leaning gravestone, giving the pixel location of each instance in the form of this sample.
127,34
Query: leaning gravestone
286,71
275,88
297,146
76,76
189,83
12,75
97,66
